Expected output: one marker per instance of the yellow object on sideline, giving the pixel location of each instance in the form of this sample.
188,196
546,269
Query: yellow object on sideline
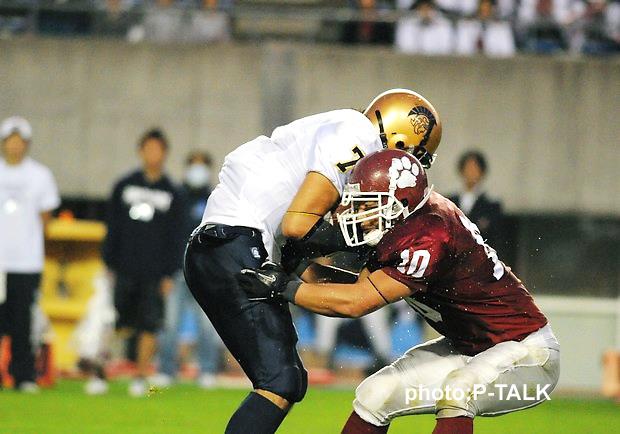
72,261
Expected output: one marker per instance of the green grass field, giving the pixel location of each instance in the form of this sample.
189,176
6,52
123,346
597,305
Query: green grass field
186,409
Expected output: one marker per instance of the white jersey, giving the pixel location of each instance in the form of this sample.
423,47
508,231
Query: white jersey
259,180
27,189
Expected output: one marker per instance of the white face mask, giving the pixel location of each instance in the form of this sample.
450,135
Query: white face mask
198,175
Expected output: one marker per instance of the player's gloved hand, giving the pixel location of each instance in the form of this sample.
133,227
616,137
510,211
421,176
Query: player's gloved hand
269,282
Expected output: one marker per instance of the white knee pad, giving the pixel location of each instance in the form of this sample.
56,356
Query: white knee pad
378,396
457,389
482,370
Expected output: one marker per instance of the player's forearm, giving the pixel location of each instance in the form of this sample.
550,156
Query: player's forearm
333,299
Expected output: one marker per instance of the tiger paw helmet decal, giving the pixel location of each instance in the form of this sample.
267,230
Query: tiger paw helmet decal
402,173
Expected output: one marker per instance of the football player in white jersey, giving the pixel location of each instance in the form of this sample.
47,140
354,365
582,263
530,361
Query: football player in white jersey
284,185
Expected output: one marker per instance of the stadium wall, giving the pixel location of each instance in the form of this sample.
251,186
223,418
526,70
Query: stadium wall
549,125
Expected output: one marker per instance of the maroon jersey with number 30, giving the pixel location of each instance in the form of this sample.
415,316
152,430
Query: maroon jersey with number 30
458,283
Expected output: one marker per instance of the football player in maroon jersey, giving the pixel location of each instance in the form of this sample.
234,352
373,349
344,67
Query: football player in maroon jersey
497,353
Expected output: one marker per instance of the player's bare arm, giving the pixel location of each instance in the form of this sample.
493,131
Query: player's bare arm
316,196
371,291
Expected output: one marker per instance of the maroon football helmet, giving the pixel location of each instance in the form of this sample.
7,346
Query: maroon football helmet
384,188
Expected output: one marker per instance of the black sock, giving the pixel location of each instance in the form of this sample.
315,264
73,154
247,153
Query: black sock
256,415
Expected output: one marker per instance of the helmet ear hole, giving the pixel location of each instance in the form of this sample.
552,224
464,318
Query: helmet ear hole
400,145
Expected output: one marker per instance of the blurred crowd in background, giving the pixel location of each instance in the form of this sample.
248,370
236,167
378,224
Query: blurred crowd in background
497,28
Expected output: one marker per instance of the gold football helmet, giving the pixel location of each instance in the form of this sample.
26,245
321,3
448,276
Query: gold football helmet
406,120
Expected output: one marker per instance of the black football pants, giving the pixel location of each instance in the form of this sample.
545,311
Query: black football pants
260,335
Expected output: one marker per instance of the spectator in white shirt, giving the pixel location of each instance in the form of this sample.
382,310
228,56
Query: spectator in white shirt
485,34
426,31
209,24
163,22
28,195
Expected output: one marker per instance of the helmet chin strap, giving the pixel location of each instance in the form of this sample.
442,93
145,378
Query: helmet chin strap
424,157
382,134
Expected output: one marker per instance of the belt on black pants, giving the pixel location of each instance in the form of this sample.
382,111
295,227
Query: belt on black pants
223,232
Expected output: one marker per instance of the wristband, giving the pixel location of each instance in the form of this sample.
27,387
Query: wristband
302,267
291,289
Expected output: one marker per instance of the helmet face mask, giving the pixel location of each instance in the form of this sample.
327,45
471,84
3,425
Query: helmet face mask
365,208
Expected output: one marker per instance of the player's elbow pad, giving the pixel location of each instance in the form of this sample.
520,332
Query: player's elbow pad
326,237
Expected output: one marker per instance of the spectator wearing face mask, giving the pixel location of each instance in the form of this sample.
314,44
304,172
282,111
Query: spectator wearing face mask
180,302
